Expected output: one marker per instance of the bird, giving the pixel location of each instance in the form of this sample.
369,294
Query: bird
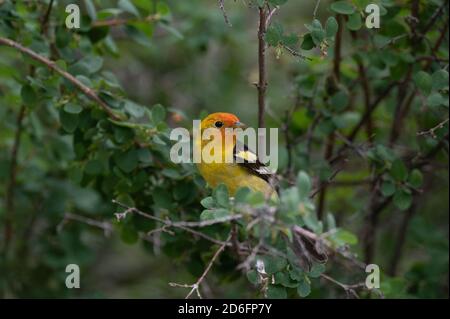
248,172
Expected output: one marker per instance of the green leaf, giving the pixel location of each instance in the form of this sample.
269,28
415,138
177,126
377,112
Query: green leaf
129,7
145,156
242,194
440,80
423,81
303,184
260,3
94,167
398,170
28,95
208,202
253,277
296,273
127,161
354,22
290,40
436,99
308,42
209,214
134,109
388,188
277,2
73,108
90,8
345,237
317,32
158,113
68,121
316,270
331,27
90,64
129,235
402,199
304,288
274,34
126,199
282,278
221,213
331,221
172,30
220,194
339,101
273,264
415,179
342,7
171,173
276,292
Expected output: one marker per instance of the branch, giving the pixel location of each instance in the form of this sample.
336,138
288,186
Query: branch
262,83
121,21
186,226
270,15
366,116
366,90
329,149
107,227
10,189
433,129
224,13
434,17
337,50
45,18
400,239
296,53
195,287
349,289
321,240
316,8
326,183
52,65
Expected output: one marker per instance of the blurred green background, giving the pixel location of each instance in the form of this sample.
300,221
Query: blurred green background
195,65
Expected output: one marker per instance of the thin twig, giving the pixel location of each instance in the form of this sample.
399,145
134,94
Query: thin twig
107,227
327,182
262,82
10,189
350,290
180,225
433,129
224,13
195,287
316,8
324,242
90,93
270,15
122,21
45,18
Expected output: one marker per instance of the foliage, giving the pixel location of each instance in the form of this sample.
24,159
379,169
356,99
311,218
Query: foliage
363,161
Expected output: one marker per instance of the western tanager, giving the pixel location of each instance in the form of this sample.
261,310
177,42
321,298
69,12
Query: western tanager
249,172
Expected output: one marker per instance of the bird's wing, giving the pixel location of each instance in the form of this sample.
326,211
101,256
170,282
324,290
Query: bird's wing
249,160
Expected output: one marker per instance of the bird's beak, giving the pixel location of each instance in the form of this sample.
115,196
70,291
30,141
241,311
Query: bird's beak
239,125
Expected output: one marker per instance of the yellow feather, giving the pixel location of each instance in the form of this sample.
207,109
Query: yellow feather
232,175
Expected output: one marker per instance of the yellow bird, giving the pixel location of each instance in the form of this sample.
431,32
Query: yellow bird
251,173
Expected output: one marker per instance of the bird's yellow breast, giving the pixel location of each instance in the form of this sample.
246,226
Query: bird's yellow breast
233,176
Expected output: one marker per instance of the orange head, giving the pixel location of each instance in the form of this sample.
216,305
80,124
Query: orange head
221,121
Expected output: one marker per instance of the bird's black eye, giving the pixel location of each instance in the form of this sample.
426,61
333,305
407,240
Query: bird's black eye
218,124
